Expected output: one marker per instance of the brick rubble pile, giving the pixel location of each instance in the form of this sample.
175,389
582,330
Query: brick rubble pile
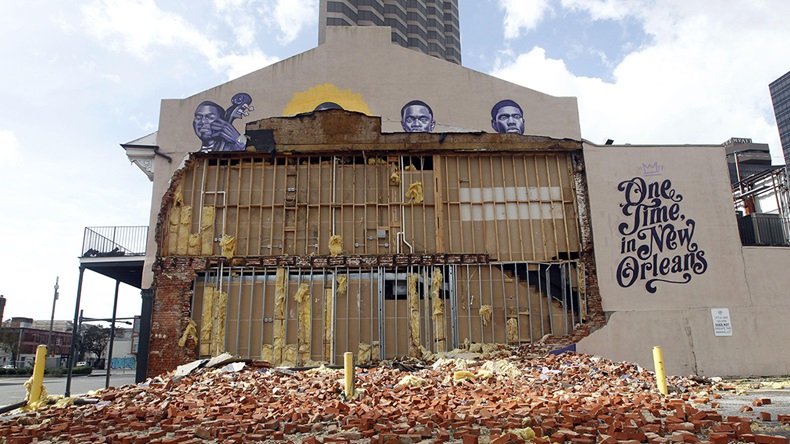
570,398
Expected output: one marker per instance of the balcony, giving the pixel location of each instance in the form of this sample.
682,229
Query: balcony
115,252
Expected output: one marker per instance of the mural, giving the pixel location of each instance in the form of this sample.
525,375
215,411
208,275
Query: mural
129,362
214,125
417,117
507,117
323,97
657,243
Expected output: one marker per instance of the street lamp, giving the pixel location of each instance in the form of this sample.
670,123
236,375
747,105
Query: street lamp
52,319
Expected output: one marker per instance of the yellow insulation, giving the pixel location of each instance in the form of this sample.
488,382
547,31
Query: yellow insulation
512,330
205,321
376,161
414,317
438,310
485,314
184,223
415,193
172,232
228,244
289,356
363,354
190,331
395,178
335,245
329,315
279,317
266,353
304,312
194,245
207,230
220,315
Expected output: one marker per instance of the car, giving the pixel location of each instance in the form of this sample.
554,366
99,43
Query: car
82,364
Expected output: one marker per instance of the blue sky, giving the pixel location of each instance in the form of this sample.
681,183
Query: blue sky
81,77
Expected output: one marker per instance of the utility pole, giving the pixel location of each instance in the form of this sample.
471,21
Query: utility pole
52,318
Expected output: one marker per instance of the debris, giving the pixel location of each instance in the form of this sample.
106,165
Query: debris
570,398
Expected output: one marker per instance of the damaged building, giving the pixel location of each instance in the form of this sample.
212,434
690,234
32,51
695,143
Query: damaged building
368,198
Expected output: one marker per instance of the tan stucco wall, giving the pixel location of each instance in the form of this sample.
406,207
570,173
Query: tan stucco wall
677,316
366,69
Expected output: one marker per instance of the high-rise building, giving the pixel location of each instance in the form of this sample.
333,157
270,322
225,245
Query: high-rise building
780,95
429,26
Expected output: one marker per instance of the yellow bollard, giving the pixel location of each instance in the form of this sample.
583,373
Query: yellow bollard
38,374
348,365
661,376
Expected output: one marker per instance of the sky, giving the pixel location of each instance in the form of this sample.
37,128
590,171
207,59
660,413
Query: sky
81,77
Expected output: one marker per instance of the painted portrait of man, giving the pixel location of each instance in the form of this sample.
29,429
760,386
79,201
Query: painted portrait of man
215,133
507,117
417,117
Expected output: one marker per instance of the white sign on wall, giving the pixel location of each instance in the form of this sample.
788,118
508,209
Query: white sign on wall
721,321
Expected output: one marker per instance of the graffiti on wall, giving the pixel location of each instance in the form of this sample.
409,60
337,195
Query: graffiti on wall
323,97
417,117
507,117
657,239
117,363
213,124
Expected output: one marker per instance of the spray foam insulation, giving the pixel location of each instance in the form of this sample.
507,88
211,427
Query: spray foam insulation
228,244
205,321
414,317
279,317
485,314
305,313
512,330
415,193
190,331
335,245
184,223
207,230
438,309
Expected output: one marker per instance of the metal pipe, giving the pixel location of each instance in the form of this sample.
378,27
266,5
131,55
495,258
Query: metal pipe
52,318
38,374
112,336
348,366
70,361
661,377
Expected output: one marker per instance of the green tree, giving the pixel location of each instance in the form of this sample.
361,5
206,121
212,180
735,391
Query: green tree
9,340
94,339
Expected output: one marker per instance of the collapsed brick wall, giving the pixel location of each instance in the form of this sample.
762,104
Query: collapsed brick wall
173,281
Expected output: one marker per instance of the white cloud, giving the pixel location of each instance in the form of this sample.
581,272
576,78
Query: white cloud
521,14
291,16
141,28
9,149
703,79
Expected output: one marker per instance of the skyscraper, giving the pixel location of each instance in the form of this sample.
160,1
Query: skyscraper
780,95
430,26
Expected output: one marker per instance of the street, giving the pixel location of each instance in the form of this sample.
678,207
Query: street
12,389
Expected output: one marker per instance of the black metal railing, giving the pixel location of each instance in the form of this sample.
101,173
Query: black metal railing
764,230
114,241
